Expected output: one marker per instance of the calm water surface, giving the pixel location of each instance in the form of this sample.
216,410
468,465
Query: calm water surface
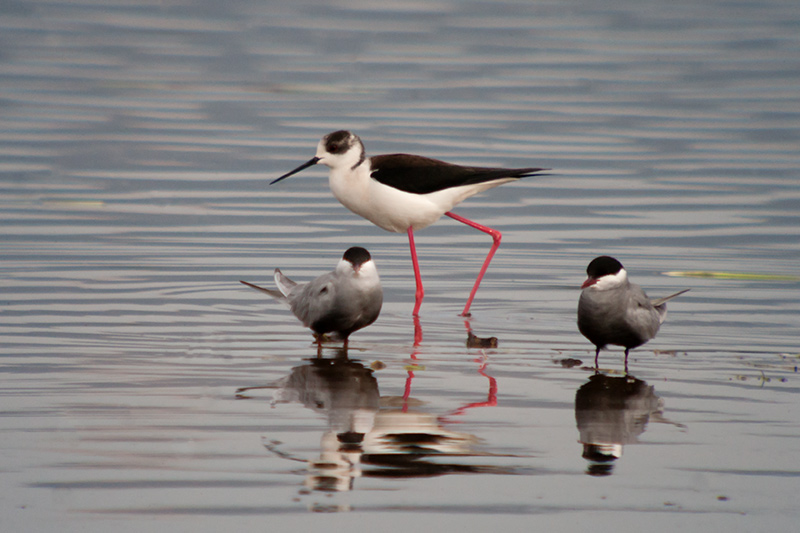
143,386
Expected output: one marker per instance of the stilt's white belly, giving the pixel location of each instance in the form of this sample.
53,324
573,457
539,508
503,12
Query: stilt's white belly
395,210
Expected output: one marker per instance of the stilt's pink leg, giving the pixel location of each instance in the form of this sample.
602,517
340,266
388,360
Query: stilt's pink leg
417,334
496,236
413,357
420,294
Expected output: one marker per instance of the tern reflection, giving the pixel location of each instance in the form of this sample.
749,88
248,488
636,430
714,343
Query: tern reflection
372,436
612,412
346,392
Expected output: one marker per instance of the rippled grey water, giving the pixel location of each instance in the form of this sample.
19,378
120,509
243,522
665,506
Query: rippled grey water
137,141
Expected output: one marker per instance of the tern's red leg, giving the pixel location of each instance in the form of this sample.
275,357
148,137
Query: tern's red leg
420,294
496,236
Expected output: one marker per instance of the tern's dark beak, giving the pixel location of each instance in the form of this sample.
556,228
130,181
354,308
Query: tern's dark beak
310,162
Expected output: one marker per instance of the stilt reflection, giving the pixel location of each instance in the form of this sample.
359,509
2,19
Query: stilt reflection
405,437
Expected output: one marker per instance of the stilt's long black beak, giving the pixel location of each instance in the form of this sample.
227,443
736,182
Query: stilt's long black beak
310,162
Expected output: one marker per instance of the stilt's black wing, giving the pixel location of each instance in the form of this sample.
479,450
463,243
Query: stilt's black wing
422,175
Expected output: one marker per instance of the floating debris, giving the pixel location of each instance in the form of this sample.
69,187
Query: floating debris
474,341
746,276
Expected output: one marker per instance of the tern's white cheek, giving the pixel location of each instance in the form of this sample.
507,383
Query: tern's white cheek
368,273
611,281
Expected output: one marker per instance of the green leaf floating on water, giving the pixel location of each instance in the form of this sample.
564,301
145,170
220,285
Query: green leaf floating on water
732,275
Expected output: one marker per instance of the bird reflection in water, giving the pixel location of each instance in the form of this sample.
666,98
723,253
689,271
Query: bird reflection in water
405,437
612,412
373,436
346,392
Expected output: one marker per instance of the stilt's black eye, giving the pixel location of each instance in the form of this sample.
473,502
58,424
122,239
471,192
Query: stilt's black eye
336,147
323,290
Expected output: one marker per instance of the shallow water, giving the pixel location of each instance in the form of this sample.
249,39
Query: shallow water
137,141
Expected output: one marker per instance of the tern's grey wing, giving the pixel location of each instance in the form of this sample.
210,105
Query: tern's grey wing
313,303
642,318
285,285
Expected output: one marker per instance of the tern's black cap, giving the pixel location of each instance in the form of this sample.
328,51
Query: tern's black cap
356,256
603,266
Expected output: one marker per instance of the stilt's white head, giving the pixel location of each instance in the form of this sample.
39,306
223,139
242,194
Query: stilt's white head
340,149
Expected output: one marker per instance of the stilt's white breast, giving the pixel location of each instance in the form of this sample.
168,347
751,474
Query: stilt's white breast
384,206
